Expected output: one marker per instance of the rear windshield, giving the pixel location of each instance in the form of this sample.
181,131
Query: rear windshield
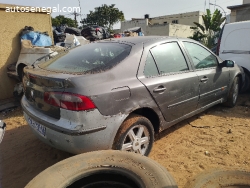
90,58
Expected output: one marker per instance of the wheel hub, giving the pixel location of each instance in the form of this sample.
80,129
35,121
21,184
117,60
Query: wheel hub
136,140
136,144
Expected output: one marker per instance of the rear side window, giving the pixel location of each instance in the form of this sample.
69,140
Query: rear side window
169,58
91,58
150,68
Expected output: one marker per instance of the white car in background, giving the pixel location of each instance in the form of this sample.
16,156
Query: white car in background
234,44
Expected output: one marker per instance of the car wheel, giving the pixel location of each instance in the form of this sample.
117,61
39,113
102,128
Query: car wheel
233,93
246,85
107,168
136,134
221,179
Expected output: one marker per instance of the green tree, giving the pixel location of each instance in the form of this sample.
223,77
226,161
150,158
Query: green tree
209,31
106,16
59,20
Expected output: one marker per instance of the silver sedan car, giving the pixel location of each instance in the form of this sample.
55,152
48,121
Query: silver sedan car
119,93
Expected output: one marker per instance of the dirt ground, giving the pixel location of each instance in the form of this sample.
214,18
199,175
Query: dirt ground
217,138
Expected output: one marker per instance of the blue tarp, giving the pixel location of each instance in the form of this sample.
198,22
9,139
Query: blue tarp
37,38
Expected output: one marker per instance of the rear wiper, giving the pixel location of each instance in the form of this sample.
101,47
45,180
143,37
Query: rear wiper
40,58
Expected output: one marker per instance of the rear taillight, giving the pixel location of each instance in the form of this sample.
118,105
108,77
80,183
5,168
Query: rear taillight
69,101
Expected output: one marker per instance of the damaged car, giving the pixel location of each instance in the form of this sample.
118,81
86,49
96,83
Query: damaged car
118,93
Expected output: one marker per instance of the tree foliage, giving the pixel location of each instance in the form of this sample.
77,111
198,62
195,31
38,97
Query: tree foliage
60,20
209,31
106,16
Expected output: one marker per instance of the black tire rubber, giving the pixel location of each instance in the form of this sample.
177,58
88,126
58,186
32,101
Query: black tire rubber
221,179
20,71
246,86
92,168
231,102
132,121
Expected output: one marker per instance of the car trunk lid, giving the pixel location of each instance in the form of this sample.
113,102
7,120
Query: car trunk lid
37,83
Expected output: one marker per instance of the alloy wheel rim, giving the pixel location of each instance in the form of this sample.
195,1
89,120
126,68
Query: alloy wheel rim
137,140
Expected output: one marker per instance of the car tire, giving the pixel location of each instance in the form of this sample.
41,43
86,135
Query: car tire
246,85
233,93
136,134
221,178
107,168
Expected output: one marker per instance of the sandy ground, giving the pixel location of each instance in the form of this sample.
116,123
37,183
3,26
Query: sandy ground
216,138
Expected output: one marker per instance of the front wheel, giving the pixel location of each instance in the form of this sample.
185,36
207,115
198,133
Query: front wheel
233,93
136,134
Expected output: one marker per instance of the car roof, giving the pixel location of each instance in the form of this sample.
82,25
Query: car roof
136,40
141,39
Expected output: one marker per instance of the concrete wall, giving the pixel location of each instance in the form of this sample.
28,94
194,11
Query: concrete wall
246,1
163,25
158,30
243,14
240,14
143,23
178,30
184,18
11,23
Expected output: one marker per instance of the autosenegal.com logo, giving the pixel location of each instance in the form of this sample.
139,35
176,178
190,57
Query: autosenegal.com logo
48,10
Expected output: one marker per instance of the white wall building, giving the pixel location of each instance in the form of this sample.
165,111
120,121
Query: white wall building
169,25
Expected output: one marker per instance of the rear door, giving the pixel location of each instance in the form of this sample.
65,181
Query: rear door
213,79
169,79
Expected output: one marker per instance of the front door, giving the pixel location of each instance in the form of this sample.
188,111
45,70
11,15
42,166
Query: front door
213,79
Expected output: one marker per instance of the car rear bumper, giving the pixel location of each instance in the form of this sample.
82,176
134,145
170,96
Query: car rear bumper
74,132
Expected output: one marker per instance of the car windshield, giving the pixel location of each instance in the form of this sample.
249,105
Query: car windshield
91,58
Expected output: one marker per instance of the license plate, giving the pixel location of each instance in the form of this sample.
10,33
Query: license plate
37,126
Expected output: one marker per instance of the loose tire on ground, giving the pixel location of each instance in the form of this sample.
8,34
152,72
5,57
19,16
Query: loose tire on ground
233,93
221,179
136,134
108,168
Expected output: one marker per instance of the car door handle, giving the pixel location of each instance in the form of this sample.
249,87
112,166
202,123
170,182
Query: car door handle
159,89
204,79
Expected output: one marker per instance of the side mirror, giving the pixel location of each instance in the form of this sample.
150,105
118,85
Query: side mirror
227,63
2,130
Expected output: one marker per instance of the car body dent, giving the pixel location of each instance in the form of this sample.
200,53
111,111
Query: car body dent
76,128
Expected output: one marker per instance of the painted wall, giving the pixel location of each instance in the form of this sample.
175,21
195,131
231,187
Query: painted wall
246,1
184,18
178,30
143,23
158,30
163,25
233,16
11,23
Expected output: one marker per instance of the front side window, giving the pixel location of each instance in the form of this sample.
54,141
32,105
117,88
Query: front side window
200,56
169,58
